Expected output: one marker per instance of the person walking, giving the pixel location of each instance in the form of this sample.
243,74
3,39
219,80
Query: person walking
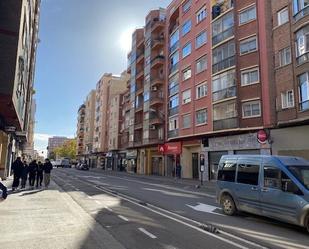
33,168
47,168
17,168
39,175
178,170
24,175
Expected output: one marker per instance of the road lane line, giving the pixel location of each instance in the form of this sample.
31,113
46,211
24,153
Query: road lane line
109,209
123,218
147,233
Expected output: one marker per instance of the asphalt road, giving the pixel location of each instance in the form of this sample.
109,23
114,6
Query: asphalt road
146,213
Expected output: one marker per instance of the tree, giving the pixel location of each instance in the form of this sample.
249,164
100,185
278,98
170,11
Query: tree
68,149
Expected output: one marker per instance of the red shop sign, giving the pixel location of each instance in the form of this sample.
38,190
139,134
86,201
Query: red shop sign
170,148
262,136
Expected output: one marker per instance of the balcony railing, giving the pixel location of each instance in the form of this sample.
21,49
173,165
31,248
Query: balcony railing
173,111
228,62
303,106
301,13
159,59
157,42
173,133
156,98
224,124
222,36
224,93
302,58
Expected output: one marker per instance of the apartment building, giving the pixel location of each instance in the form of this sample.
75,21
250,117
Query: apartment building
146,117
89,127
19,21
108,87
28,151
188,85
291,68
55,142
80,133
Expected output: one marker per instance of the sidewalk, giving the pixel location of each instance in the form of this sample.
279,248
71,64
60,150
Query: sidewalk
208,187
49,219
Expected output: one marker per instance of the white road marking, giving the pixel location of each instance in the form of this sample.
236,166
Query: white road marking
90,197
98,202
123,218
147,233
109,209
205,208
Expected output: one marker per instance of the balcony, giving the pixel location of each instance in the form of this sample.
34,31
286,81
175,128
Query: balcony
155,119
302,13
157,61
140,43
173,111
139,74
139,90
156,98
157,81
157,24
222,36
138,126
140,58
173,133
153,141
302,58
224,93
224,124
139,108
173,90
157,43
227,63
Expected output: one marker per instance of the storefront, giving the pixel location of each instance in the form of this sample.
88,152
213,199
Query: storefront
3,154
171,152
131,161
190,159
122,161
237,144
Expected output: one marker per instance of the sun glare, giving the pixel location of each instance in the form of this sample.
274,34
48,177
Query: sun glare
126,39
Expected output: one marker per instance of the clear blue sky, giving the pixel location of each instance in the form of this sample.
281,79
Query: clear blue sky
80,40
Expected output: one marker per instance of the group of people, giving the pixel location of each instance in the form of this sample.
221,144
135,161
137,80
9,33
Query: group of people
34,172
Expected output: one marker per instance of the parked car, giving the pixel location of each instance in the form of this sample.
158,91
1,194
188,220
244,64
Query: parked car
64,163
82,166
272,186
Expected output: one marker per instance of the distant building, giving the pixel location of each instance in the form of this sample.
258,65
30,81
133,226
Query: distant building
55,142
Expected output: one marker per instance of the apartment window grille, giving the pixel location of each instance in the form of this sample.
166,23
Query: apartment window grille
247,15
251,109
248,45
287,99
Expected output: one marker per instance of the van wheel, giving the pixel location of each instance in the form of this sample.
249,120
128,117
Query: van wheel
228,205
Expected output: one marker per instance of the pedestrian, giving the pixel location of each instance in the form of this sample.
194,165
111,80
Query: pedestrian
17,168
178,170
24,175
3,192
47,168
39,175
33,168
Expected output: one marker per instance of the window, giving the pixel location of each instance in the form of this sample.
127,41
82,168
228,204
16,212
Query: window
174,40
186,97
225,110
248,45
146,96
302,44
174,101
287,99
201,39
222,28
223,56
299,5
186,6
201,64
201,117
249,77
304,91
174,61
247,15
201,15
201,90
283,16
173,124
227,171
248,174
186,121
224,85
285,56
186,27
173,85
272,177
251,109
186,50
186,73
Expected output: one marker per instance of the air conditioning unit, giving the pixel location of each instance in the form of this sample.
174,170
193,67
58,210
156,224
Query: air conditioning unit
152,127
154,88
